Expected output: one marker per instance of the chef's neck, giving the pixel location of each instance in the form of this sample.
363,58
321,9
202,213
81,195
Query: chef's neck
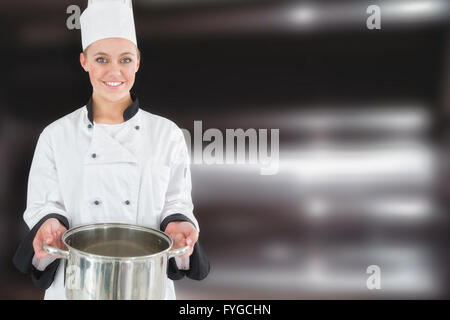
109,112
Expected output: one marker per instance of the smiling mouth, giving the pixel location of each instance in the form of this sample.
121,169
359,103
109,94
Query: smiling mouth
113,84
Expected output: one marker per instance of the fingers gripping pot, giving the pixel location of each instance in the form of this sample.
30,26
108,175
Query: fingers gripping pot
115,261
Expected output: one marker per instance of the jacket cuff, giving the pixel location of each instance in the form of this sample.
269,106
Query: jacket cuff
44,279
198,261
23,256
172,218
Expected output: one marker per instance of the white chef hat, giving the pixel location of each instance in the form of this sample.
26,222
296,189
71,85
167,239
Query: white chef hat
107,19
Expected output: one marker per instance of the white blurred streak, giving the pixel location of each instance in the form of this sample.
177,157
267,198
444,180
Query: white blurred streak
321,163
388,118
320,15
405,271
236,17
317,16
387,209
325,165
415,9
304,14
157,3
396,118
401,208
318,208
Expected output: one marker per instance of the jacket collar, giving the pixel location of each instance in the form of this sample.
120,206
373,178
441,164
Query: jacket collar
129,112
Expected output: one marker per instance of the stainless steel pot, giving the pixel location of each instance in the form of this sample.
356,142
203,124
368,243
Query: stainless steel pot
115,261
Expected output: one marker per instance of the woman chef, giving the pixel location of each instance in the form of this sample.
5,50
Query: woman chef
109,161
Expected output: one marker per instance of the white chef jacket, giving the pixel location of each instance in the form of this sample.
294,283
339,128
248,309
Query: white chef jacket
138,175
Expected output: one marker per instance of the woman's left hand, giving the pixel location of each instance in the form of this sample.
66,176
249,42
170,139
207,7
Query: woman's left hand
183,234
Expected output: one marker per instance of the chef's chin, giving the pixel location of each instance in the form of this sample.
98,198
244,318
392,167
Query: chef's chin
114,95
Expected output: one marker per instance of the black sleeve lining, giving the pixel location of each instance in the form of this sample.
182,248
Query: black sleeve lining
199,265
23,256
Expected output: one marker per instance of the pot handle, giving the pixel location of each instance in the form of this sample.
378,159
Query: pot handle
63,254
178,252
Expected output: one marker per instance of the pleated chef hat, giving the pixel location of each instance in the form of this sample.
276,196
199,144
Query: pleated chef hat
107,19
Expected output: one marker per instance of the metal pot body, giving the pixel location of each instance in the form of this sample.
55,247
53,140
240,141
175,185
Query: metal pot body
115,262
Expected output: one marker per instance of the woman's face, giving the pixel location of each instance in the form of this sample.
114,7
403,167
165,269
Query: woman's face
112,64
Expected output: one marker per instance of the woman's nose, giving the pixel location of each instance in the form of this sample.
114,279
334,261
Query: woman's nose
115,68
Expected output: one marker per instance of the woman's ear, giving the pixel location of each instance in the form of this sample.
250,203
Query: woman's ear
138,53
83,62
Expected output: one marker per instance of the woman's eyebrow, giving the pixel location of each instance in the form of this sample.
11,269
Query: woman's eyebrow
105,54
101,54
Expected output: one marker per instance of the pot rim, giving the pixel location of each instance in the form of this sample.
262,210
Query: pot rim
120,225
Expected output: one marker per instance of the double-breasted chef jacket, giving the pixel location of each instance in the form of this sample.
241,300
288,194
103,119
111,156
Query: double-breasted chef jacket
136,172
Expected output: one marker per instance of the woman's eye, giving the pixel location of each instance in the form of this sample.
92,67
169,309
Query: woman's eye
100,60
126,60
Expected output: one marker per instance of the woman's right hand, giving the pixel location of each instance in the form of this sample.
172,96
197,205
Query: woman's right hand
51,232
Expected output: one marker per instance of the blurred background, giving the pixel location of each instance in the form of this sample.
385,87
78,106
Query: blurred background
362,117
